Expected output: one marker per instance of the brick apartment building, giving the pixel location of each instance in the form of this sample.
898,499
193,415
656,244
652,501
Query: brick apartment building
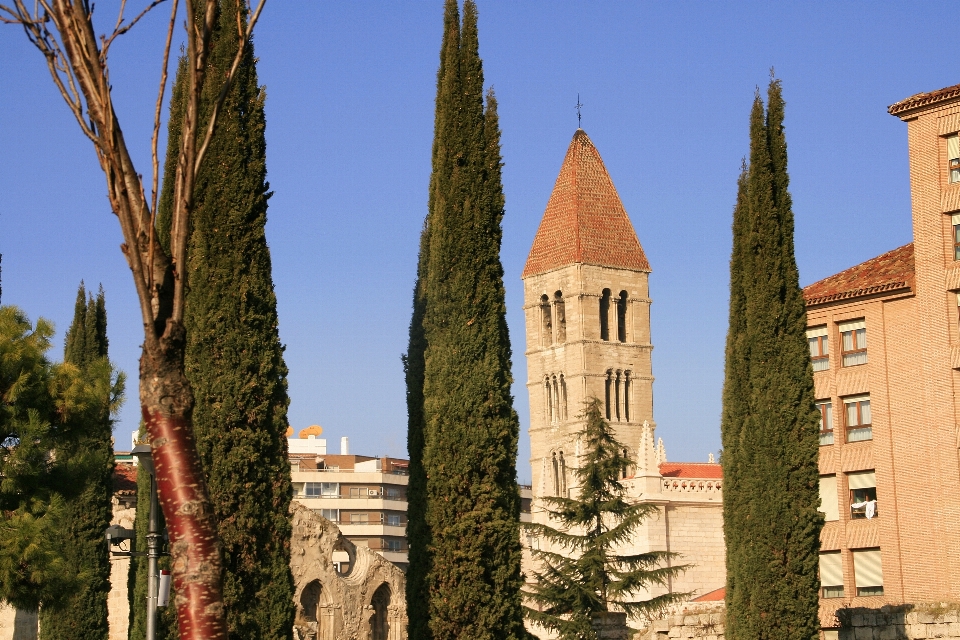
885,342
366,497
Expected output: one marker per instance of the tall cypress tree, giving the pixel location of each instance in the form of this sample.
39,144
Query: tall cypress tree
89,469
769,425
464,500
234,358
418,532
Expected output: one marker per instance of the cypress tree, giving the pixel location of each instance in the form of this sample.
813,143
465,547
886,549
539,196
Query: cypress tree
463,496
88,463
234,358
769,424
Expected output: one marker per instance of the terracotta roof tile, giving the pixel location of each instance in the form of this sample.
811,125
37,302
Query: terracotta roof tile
924,99
690,470
124,479
584,222
714,596
891,271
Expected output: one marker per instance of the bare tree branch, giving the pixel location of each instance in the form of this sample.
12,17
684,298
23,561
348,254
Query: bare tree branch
156,130
120,30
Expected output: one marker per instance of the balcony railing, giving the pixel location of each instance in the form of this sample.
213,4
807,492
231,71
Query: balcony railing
394,472
376,496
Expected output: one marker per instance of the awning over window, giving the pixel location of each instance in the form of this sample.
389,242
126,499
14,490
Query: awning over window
867,567
828,500
862,480
831,569
853,325
816,332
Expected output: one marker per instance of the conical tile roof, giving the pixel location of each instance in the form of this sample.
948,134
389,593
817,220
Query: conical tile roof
585,222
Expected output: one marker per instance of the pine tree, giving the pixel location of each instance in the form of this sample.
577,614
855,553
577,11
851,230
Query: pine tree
234,359
580,572
83,615
769,425
47,554
463,431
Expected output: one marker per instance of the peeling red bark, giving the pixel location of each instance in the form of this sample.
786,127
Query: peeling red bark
167,407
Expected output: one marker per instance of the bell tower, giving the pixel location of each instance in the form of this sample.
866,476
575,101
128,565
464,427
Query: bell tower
587,313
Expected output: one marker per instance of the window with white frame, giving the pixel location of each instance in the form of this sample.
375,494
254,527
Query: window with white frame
333,515
953,158
825,407
831,574
868,572
819,349
853,342
856,411
828,498
863,494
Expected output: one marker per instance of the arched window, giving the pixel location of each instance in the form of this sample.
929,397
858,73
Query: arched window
310,616
627,383
556,475
561,315
380,621
547,400
562,482
546,321
617,396
622,317
563,398
607,383
626,468
605,315
555,412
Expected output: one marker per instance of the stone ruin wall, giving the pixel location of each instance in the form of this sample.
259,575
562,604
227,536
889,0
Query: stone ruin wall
368,603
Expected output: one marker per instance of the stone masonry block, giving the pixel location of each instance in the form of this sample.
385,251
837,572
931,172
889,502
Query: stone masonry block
917,631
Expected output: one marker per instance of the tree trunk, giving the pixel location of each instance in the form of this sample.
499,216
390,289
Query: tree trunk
167,404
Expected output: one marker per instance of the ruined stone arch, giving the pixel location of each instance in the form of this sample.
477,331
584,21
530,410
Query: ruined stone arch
314,617
381,620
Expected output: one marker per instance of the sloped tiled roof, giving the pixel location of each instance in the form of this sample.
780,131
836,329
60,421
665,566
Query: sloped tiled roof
124,479
584,222
924,99
889,272
714,596
690,470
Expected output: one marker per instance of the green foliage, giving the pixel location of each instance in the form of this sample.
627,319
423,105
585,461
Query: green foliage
234,358
464,501
89,464
580,573
769,424
46,413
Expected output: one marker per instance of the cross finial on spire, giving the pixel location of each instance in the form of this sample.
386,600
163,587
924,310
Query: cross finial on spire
578,111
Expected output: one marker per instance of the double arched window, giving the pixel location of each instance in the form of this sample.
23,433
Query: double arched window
555,398
559,474
617,388
553,319
620,304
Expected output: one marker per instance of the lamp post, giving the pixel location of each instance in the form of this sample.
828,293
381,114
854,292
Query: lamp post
144,456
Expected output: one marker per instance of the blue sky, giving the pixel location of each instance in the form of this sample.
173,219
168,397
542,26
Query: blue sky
666,89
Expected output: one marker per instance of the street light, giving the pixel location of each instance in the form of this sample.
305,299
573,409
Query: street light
144,455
